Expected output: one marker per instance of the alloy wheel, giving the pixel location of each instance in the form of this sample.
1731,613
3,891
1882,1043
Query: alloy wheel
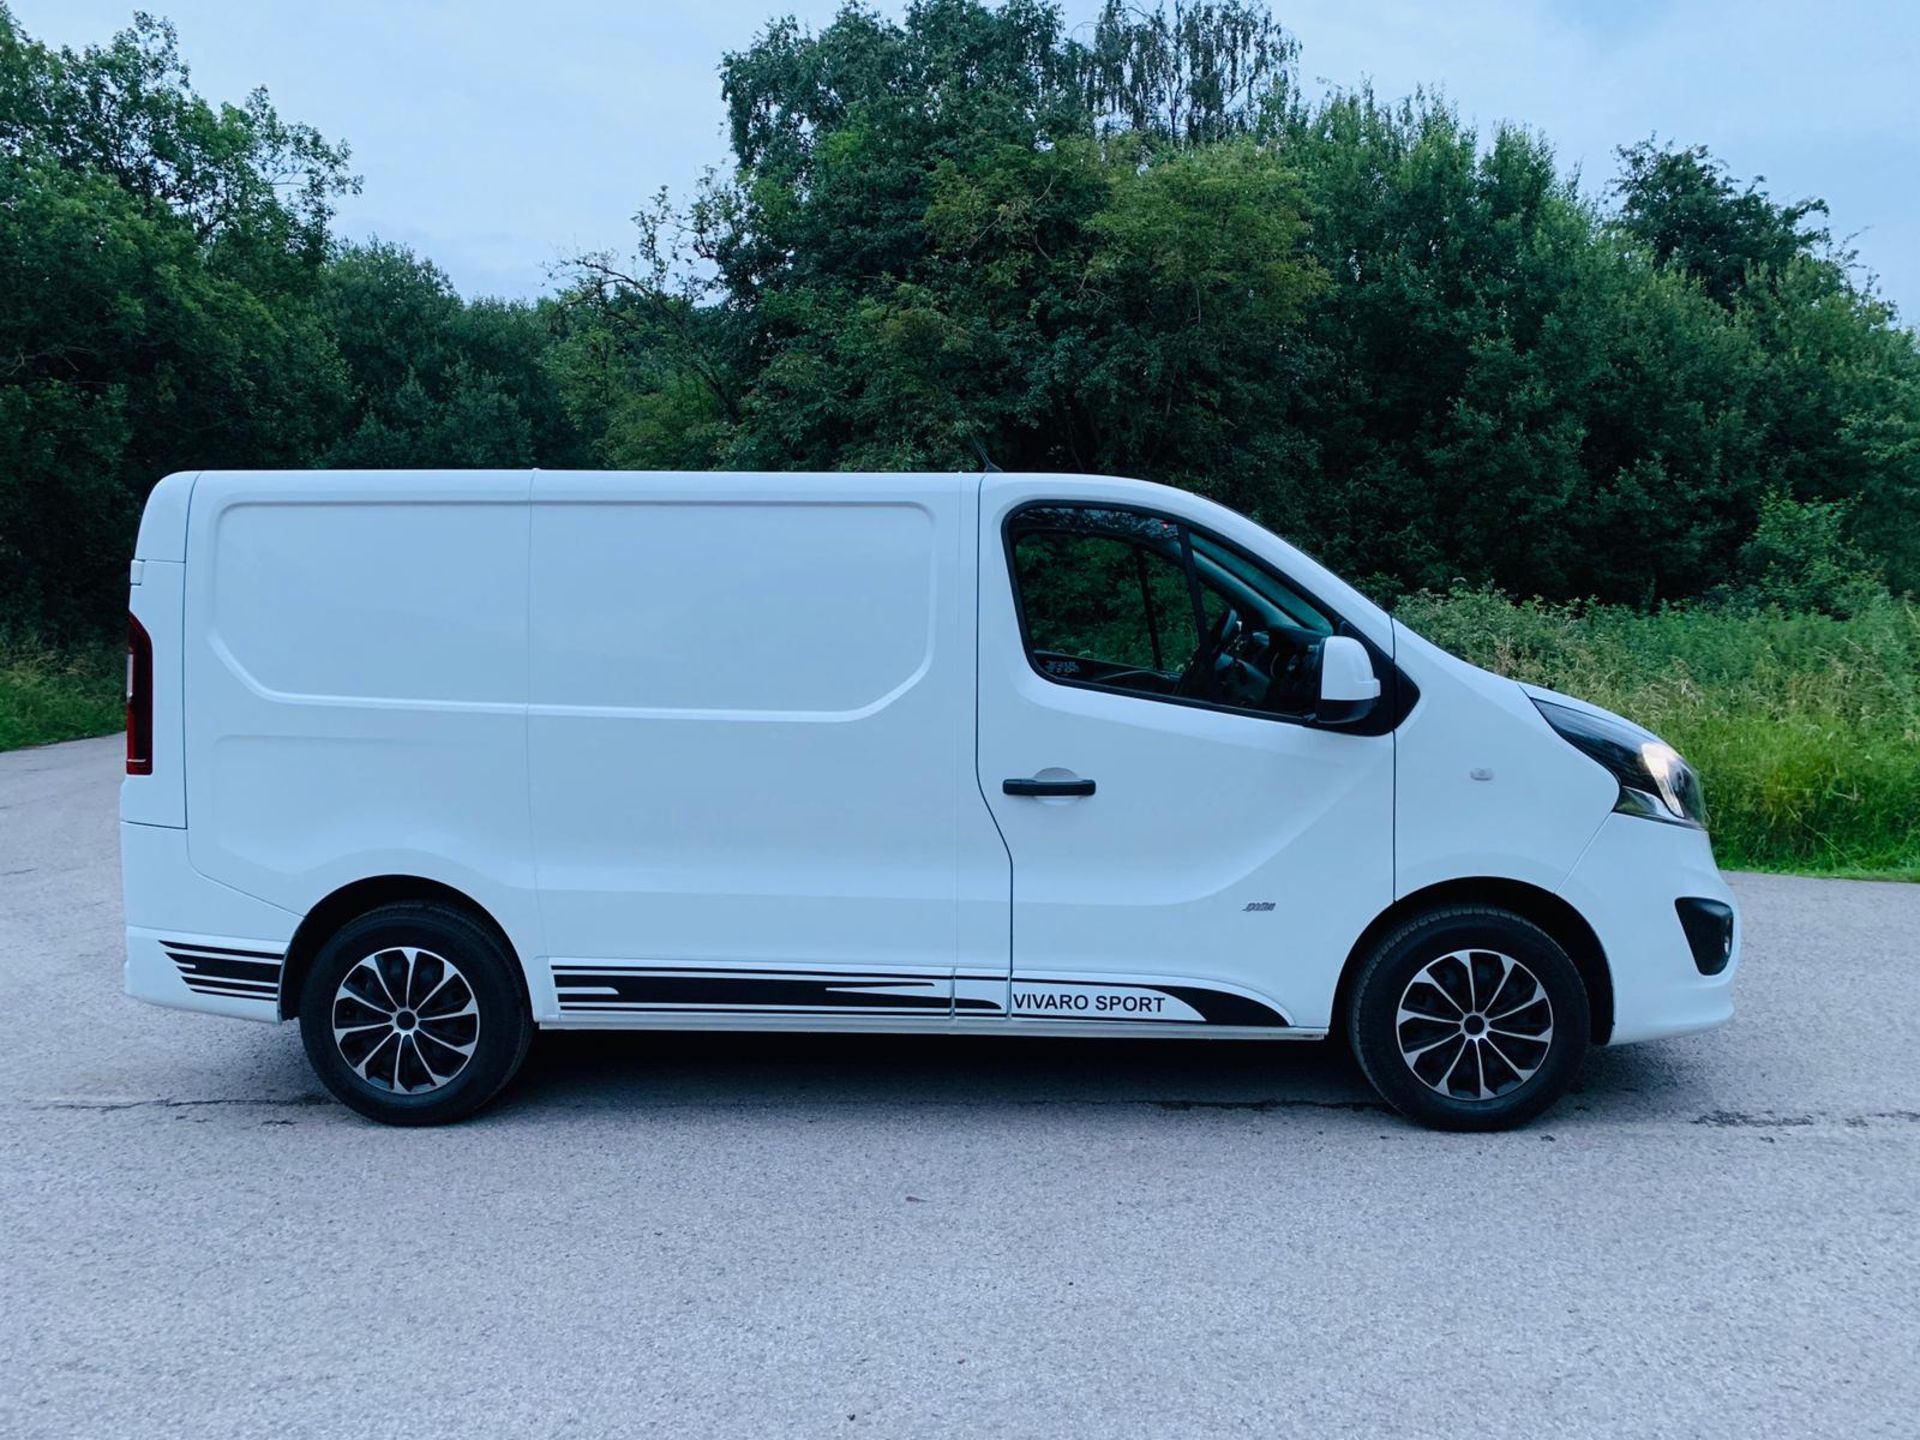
1474,1025
406,1020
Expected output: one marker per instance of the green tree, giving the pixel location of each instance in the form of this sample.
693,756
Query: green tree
1205,70
256,191
1501,390
1829,398
123,357
1681,204
927,248
436,381
1418,350
170,299
1134,248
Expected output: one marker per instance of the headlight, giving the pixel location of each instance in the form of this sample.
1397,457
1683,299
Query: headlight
1654,781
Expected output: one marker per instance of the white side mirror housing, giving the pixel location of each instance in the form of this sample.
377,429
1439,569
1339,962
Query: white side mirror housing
1348,687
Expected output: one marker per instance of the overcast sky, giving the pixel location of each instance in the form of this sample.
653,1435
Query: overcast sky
498,138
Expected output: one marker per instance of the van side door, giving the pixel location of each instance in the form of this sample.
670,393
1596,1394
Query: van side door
1190,848
751,749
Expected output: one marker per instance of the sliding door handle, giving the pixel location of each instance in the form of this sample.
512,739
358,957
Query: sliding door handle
1047,787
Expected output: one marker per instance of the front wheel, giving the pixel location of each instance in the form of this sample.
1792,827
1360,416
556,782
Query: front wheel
413,1015
1469,1018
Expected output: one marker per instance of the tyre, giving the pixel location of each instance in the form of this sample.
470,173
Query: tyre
1469,1019
415,1014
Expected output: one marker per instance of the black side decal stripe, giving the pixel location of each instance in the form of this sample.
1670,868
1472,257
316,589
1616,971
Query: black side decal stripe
713,991
1221,1007
703,972
234,992
171,946
266,971
618,1007
684,989
225,971
1215,1007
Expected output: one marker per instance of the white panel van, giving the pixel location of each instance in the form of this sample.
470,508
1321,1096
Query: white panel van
430,759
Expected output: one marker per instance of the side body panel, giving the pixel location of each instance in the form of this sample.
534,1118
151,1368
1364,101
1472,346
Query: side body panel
355,671
1485,788
751,748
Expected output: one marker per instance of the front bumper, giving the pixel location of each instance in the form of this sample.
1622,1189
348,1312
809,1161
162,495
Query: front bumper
1626,884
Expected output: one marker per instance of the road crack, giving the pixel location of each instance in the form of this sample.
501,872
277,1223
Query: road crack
1263,1106
1773,1120
105,1106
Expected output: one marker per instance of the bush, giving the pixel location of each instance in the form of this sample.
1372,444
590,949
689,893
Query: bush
1801,558
48,695
1803,726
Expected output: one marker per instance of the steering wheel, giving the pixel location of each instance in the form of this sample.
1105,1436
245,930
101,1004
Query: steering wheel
1293,686
1195,680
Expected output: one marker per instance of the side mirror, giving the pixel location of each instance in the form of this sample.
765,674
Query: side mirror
1348,687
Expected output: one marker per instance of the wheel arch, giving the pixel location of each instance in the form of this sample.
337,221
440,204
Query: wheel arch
350,901
1567,926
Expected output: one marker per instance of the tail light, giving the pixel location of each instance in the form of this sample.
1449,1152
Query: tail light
139,699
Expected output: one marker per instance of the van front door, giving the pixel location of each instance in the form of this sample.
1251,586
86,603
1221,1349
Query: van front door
1189,848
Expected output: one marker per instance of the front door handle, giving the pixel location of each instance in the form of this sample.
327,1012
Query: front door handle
1047,787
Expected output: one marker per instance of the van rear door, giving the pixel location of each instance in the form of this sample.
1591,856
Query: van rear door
751,747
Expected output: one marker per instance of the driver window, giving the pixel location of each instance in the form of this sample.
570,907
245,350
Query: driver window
1106,600
1104,597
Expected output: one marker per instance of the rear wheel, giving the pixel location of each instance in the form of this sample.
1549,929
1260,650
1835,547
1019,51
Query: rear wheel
413,1015
1469,1019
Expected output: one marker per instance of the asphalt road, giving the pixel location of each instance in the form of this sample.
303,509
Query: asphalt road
826,1236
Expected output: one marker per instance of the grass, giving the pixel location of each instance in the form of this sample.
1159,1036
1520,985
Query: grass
1805,728
48,694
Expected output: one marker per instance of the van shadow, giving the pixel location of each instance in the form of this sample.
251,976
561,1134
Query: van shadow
638,1070
749,1069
